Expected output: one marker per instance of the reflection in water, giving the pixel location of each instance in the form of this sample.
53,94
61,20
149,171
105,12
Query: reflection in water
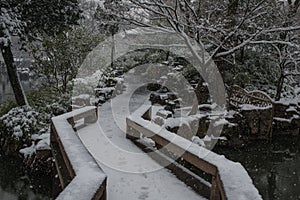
6,91
15,185
274,168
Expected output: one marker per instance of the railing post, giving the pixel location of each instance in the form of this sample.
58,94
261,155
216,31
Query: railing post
55,150
52,134
148,115
131,133
214,191
271,123
138,125
92,118
63,164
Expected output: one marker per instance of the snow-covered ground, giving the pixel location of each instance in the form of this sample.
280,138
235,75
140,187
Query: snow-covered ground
131,173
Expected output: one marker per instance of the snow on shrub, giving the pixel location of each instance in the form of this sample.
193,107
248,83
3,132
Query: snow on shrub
53,106
40,142
86,85
17,126
58,108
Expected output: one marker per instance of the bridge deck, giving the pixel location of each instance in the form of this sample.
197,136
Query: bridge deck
160,184
131,173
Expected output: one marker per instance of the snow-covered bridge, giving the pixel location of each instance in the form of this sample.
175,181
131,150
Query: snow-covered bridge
101,163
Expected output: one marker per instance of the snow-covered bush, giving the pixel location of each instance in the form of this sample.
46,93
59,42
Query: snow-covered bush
291,88
86,85
17,126
49,102
58,108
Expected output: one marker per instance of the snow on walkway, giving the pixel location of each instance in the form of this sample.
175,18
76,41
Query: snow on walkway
132,174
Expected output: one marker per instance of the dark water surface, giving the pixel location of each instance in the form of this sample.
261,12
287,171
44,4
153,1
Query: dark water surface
16,185
274,167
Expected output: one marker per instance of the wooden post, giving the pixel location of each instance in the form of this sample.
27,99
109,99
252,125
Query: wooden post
131,133
92,118
63,164
148,115
52,133
214,192
271,122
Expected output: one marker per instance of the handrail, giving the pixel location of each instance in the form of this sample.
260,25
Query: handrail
229,179
238,95
79,174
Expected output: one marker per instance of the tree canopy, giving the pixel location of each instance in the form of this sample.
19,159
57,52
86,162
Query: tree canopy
28,20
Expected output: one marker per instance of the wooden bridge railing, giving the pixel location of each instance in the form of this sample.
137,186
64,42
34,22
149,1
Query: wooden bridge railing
79,175
238,96
229,179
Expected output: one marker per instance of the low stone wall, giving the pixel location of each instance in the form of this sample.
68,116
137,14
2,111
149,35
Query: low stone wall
286,118
256,116
257,120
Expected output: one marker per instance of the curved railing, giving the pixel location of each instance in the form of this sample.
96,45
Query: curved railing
238,96
229,179
79,175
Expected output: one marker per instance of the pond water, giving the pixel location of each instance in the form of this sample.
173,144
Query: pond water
274,167
16,185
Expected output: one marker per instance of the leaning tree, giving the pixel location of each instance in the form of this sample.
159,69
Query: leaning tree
27,20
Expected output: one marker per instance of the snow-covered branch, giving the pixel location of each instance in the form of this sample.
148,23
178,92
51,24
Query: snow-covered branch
291,44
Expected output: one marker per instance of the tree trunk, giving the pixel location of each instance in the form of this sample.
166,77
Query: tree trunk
195,105
112,50
13,75
279,88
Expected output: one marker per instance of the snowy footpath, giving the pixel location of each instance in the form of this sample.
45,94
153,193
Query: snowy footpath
132,174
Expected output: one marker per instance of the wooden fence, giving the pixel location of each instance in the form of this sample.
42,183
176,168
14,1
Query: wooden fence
79,175
227,176
238,96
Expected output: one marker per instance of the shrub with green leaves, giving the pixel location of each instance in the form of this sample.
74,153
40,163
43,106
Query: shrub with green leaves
7,106
17,126
49,102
